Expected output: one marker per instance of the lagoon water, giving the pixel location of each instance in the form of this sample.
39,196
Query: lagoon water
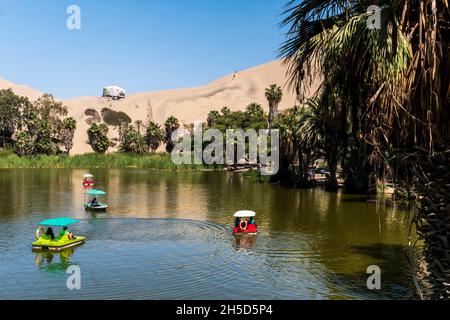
168,236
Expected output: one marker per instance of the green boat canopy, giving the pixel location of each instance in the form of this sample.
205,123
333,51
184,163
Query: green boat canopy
95,192
58,222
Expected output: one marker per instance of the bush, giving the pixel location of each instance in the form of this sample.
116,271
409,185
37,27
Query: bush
94,116
24,145
5,153
114,118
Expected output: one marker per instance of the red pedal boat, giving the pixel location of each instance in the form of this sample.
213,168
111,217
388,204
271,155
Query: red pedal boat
88,181
245,223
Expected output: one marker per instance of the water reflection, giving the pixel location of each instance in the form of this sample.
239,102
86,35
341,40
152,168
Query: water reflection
319,244
45,261
244,243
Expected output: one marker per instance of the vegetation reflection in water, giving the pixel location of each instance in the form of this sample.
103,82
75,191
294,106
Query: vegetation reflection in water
169,236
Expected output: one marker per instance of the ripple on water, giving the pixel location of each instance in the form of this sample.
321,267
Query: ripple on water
163,259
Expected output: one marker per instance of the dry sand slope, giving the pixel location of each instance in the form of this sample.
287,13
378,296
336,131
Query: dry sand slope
235,91
21,90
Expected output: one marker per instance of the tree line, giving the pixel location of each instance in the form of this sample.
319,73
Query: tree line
33,128
134,138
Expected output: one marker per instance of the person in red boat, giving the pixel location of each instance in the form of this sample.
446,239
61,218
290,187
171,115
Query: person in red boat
252,228
245,223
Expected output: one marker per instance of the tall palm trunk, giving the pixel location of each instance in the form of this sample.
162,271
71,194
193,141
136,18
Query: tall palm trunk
273,113
357,175
432,220
331,155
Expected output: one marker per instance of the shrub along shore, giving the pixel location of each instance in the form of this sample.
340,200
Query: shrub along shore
163,162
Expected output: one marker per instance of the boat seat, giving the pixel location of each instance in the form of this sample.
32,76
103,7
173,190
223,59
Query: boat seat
63,238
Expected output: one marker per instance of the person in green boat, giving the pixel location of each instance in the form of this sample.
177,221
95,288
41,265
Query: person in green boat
49,233
65,231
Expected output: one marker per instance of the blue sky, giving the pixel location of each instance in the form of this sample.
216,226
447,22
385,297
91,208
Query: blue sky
141,45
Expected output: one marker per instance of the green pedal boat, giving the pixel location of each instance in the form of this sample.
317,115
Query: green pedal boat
46,240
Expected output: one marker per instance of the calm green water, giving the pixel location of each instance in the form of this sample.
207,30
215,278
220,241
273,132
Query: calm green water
168,236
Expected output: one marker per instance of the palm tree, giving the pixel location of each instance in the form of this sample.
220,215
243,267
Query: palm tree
154,136
139,124
23,144
225,111
298,146
212,118
98,139
124,128
322,40
288,129
133,142
255,111
170,126
383,80
274,94
319,129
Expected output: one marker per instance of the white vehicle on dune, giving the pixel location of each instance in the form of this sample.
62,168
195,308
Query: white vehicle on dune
114,92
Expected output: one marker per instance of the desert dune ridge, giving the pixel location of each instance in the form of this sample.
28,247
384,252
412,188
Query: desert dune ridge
188,105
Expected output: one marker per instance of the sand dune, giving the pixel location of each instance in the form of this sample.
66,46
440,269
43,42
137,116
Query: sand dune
235,91
21,90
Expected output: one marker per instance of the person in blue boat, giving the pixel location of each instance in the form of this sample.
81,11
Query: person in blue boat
94,202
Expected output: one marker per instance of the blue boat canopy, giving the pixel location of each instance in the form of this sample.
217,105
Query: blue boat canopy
58,222
95,192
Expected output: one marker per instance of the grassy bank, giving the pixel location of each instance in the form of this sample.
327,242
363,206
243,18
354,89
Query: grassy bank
9,160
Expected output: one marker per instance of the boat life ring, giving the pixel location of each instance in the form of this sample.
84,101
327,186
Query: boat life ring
41,231
243,225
